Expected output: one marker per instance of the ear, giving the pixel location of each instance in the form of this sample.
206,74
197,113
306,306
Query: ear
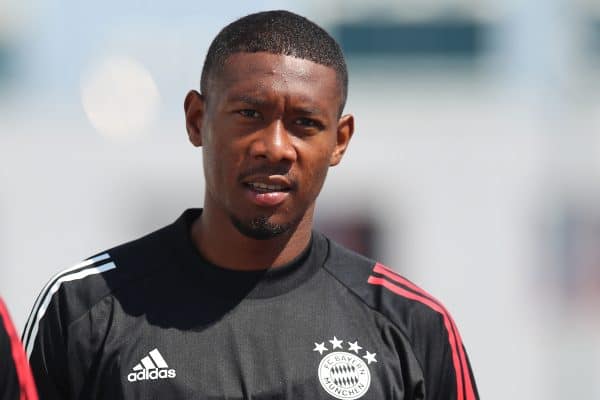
194,112
345,130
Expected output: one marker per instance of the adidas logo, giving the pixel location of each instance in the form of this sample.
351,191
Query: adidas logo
152,367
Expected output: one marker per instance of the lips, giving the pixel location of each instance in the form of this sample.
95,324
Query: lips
266,188
267,191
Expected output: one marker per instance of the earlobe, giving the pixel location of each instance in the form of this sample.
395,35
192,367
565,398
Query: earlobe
194,112
345,131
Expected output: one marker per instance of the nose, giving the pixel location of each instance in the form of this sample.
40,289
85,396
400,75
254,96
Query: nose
274,143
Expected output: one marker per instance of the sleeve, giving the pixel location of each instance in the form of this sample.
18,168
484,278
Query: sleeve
46,346
446,368
433,335
16,382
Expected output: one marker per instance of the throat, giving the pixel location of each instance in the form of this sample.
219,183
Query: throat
228,247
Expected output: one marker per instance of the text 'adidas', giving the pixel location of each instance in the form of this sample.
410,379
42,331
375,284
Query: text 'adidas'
152,367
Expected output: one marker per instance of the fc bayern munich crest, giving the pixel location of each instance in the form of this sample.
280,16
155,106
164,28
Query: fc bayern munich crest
344,370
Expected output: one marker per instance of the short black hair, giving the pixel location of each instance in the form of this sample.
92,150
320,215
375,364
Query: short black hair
276,32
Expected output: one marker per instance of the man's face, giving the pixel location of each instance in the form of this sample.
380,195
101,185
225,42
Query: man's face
269,129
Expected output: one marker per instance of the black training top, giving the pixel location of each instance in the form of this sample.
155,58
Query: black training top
152,319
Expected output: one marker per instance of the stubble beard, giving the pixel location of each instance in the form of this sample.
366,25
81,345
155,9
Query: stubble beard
260,228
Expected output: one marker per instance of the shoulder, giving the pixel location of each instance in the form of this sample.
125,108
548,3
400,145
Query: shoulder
94,278
386,291
72,292
422,319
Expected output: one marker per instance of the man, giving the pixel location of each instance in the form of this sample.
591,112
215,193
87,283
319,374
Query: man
242,300
16,382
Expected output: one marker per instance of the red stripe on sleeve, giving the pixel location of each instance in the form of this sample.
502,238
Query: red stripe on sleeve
405,293
381,269
24,375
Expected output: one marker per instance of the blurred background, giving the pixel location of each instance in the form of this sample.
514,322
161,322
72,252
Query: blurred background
474,170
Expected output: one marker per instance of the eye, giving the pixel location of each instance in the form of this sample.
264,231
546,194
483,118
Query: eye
249,113
308,122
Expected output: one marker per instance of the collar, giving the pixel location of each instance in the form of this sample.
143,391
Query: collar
224,282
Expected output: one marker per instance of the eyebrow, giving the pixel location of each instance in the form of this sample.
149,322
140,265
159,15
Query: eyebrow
257,102
247,99
307,110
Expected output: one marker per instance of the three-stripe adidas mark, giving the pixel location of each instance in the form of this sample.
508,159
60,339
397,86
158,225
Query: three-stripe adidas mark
152,367
92,266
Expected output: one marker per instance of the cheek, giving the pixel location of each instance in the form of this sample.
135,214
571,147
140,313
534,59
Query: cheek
209,166
212,161
319,166
222,162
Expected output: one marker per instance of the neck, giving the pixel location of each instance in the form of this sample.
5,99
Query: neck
220,242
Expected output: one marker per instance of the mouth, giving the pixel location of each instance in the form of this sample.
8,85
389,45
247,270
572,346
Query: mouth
267,191
267,188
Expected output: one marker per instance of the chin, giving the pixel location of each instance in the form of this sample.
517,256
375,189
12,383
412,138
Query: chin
262,227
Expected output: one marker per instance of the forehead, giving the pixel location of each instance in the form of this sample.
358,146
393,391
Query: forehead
266,73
